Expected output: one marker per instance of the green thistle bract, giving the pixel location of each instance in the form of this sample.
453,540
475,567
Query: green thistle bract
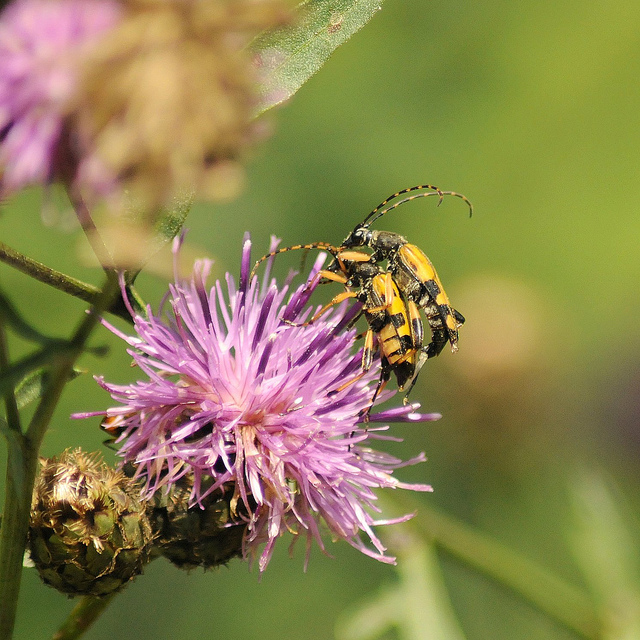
89,534
203,535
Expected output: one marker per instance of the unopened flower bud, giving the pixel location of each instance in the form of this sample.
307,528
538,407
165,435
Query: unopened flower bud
204,535
89,534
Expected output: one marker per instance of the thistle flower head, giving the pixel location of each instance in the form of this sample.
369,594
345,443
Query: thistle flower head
42,44
130,100
168,100
242,397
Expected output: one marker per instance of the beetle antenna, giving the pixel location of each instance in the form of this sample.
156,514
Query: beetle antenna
325,246
441,195
399,193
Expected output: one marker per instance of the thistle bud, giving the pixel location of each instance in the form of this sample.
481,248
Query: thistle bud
203,535
89,534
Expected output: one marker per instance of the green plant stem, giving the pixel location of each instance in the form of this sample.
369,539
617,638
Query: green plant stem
91,231
83,615
61,281
9,580
23,454
565,603
49,276
11,405
13,533
63,368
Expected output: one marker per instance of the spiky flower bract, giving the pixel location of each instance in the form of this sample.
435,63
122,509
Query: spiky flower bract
241,396
203,535
89,533
42,45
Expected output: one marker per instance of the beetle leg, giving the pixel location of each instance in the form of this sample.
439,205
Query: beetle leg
345,295
352,256
438,340
385,374
422,358
330,275
367,361
389,294
367,351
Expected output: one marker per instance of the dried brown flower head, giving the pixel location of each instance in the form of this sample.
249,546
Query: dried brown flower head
167,100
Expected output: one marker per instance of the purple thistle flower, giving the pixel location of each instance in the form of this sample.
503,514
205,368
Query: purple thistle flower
42,43
239,398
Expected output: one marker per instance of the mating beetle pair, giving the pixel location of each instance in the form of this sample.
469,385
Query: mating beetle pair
391,296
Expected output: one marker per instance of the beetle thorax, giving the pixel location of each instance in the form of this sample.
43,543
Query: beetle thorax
385,242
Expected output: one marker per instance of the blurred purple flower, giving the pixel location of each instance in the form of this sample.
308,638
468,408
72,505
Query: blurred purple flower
42,43
236,395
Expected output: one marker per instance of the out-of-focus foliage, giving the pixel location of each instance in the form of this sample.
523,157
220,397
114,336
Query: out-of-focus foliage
415,602
288,57
528,109
604,542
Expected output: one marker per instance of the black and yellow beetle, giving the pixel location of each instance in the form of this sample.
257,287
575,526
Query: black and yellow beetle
411,269
393,322
392,295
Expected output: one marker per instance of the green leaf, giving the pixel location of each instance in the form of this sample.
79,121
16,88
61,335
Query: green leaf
32,386
605,540
172,220
167,227
13,375
288,57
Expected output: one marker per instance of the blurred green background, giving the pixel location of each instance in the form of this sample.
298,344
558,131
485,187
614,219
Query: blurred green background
531,110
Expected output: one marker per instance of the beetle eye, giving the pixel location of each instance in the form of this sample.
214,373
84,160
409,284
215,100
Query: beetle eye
358,236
